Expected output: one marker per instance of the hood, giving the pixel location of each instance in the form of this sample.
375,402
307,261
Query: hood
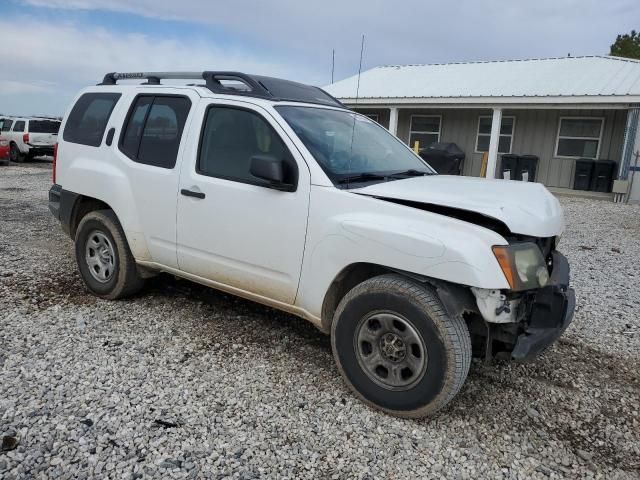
526,208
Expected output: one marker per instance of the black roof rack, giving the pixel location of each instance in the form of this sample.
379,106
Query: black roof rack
236,83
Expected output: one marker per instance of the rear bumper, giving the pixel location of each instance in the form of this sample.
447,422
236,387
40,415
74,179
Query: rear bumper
551,313
39,150
61,203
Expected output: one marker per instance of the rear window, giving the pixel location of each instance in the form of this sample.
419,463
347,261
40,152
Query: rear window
44,126
88,118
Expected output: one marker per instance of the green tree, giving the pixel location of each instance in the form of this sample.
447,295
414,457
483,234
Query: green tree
627,45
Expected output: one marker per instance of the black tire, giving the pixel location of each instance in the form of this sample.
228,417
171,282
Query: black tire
122,279
445,341
14,153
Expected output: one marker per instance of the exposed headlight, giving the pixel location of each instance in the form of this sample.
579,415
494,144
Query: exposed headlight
522,265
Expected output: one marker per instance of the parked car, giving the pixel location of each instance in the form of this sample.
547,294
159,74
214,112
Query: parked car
276,192
4,150
31,137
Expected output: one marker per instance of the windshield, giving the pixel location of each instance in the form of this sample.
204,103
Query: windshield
347,145
44,126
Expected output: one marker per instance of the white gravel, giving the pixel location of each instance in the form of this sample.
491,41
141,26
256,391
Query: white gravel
187,382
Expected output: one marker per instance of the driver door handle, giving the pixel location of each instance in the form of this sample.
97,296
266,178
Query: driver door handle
191,193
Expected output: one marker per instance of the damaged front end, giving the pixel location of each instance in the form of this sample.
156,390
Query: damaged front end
521,325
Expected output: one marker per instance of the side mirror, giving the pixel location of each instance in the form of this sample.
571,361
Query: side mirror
270,168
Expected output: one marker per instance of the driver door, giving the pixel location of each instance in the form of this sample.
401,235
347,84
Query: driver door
232,227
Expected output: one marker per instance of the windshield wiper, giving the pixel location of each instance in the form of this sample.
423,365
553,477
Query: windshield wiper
362,177
410,173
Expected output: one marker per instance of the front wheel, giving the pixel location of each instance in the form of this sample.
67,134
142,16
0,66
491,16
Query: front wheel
397,348
104,258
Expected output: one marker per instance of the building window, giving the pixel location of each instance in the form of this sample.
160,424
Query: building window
579,137
373,116
424,129
507,127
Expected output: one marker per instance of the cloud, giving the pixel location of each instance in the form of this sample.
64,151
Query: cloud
49,63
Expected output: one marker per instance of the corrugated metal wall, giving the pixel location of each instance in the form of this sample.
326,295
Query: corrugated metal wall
535,134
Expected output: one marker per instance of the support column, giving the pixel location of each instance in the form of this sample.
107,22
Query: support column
393,120
492,160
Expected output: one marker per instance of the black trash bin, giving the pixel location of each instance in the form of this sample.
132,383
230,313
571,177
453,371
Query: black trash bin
445,158
602,177
509,168
527,167
583,174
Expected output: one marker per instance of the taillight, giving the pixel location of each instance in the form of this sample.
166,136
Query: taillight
55,159
25,138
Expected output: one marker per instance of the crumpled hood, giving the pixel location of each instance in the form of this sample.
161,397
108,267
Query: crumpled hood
526,208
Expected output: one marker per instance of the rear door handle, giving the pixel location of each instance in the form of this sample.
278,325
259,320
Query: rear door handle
191,193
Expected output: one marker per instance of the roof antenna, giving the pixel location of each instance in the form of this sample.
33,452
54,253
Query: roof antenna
353,128
333,63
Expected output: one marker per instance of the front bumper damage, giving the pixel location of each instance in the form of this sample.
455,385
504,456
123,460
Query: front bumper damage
550,312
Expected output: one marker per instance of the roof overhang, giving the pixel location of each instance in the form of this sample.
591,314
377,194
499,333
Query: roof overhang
587,102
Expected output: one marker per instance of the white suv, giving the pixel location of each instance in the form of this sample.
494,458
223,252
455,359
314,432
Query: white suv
274,191
30,136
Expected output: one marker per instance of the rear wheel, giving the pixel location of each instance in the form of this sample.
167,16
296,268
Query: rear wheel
397,348
104,258
14,153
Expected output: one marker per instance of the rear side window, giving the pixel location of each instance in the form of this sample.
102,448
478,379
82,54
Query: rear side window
43,126
19,126
154,129
88,118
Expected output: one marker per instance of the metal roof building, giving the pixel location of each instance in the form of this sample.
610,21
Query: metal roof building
559,109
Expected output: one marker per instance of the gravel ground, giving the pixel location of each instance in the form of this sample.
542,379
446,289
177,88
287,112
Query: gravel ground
186,382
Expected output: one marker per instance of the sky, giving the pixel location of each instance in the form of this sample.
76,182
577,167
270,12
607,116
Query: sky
52,48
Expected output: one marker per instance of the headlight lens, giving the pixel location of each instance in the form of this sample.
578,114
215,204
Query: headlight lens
523,265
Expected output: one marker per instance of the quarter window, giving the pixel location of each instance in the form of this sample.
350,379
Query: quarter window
18,126
154,129
231,137
507,127
424,129
579,137
88,118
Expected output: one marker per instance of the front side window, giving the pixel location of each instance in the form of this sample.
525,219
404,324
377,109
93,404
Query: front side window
346,144
88,118
18,126
579,137
425,129
507,127
231,137
154,129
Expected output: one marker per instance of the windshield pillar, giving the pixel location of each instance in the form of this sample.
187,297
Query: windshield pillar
492,156
393,120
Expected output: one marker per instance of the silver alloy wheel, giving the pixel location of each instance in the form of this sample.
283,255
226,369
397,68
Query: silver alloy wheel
390,350
100,256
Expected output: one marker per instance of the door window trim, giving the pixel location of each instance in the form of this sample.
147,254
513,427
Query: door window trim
257,182
131,111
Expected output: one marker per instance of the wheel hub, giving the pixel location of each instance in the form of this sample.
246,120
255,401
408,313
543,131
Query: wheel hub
392,347
100,256
390,350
